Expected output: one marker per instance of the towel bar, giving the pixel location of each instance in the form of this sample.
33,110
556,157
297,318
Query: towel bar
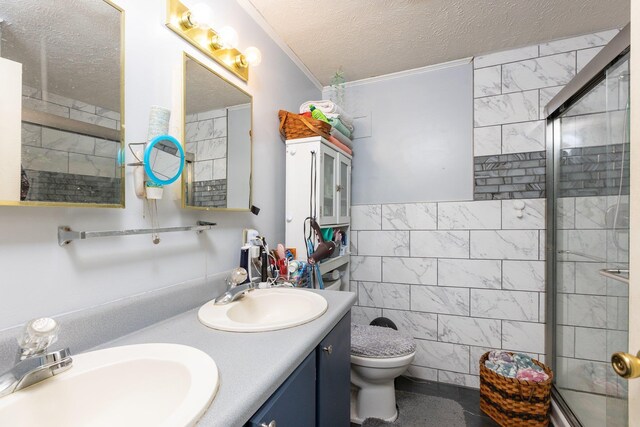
615,274
66,235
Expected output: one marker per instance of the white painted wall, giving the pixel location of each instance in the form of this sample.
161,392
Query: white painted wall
414,136
39,278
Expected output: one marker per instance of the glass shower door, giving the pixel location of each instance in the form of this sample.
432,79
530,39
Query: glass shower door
591,223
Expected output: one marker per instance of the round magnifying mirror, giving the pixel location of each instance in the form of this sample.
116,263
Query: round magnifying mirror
163,160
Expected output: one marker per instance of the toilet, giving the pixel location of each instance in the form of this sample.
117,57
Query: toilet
378,356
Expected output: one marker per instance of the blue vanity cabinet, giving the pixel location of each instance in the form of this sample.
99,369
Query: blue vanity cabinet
333,378
318,392
294,403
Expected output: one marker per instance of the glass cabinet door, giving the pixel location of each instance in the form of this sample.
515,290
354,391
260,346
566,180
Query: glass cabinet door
328,182
344,188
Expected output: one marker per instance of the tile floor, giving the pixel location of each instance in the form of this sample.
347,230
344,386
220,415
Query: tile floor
468,398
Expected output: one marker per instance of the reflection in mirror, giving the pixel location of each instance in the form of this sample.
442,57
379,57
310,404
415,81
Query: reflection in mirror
217,139
163,160
61,68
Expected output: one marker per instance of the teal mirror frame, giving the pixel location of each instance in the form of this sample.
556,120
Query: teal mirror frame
147,160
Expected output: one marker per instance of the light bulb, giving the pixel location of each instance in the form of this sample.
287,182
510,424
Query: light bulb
253,56
200,15
228,37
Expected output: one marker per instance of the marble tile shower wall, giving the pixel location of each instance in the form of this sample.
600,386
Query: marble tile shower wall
593,311
52,150
511,89
460,277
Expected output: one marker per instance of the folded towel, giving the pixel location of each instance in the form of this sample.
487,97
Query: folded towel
330,107
337,116
340,145
337,123
340,137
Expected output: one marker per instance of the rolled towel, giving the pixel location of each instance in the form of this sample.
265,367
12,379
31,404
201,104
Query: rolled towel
503,368
529,374
337,123
330,107
348,125
497,355
524,361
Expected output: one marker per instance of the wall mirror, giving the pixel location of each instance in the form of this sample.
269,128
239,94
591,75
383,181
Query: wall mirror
163,160
62,98
217,127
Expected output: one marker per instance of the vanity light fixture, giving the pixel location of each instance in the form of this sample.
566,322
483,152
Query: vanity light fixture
226,38
198,16
192,24
251,57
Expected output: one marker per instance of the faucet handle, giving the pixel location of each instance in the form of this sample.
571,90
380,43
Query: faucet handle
237,277
38,334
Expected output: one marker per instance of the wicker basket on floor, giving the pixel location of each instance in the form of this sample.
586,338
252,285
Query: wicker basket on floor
512,402
294,126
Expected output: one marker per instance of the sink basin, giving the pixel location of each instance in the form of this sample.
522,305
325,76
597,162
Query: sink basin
137,385
264,310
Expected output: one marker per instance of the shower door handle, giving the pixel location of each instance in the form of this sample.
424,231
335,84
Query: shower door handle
626,365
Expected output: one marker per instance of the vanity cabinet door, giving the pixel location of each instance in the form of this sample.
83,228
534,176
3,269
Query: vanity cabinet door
294,403
334,376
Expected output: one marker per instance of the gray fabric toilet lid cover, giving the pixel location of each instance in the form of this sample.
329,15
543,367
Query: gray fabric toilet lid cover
379,342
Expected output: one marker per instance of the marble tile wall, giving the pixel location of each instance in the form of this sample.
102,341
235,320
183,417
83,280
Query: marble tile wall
511,89
460,277
594,171
206,138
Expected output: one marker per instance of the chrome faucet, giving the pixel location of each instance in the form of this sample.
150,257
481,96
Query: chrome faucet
235,291
34,363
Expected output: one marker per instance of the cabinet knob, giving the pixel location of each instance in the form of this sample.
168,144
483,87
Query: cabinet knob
271,424
328,349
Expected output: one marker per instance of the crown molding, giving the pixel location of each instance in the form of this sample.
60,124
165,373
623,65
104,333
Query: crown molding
407,73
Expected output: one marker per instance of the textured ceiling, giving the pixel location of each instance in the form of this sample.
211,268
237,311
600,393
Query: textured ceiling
207,91
371,38
80,40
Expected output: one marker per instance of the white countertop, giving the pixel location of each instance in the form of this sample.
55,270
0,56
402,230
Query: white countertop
251,365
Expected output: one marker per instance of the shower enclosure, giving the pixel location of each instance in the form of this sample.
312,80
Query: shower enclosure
588,238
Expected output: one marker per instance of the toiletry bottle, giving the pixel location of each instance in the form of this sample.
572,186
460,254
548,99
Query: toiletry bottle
317,114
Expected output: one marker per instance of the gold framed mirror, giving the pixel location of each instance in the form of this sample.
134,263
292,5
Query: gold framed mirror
63,103
217,140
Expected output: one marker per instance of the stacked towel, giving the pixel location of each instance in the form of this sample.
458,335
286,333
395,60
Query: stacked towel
337,123
341,137
331,110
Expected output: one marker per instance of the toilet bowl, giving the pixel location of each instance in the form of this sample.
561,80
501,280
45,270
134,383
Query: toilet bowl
378,356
